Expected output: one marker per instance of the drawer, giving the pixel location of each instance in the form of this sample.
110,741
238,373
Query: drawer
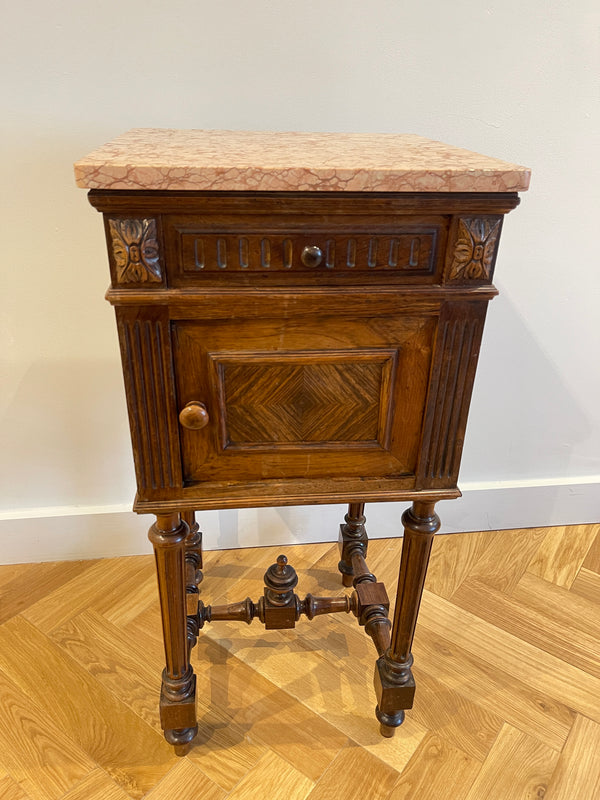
259,250
302,398
200,242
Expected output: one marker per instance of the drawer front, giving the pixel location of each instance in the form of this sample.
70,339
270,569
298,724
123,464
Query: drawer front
203,252
303,399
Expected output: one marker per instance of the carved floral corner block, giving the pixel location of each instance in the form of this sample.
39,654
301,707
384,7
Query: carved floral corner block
135,250
473,252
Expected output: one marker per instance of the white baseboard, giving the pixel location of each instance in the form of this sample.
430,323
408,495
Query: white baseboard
55,534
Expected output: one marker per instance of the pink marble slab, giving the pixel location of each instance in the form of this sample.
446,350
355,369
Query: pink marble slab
168,159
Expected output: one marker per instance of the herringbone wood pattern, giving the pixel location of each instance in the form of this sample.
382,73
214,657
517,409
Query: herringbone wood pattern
507,662
303,402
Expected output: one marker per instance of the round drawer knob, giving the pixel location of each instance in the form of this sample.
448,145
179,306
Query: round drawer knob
194,416
311,256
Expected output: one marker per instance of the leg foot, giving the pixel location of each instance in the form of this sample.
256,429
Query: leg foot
181,739
389,722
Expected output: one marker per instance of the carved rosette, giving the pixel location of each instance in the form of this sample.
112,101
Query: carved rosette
475,248
135,250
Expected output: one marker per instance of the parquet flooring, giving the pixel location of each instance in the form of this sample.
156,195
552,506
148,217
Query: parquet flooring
507,663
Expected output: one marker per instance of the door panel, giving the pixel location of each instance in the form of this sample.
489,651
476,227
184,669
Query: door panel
303,398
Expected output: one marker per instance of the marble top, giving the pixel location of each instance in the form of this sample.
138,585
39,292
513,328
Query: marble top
169,159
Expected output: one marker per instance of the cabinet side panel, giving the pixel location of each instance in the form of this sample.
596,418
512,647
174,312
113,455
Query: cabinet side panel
149,385
453,372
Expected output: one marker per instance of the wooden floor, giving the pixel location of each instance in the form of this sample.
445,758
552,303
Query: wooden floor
507,663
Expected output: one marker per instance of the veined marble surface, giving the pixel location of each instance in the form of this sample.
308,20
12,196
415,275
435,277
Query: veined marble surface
169,159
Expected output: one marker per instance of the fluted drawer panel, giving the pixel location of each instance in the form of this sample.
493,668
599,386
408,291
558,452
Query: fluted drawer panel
400,251
275,251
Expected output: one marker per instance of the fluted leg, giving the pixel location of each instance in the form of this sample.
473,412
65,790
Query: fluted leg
353,537
394,682
178,694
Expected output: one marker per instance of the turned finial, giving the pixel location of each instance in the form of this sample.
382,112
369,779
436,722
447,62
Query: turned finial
281,563
280,581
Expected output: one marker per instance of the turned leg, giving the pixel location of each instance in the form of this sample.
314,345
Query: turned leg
353,536
394,682
178,693
193,574
193,554
193,549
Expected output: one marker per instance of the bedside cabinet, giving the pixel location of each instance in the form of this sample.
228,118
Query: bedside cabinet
299,317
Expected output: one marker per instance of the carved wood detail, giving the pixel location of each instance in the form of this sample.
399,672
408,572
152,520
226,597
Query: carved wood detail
455,361
146,354
473,252
135,250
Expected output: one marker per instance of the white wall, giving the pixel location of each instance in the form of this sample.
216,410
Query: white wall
513,80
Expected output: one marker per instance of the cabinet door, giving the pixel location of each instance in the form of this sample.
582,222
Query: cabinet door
303,398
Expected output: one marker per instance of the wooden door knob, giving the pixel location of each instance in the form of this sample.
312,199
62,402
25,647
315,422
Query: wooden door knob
194,416
311,256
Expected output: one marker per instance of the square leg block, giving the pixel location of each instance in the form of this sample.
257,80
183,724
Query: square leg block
369,595
279,618
178,714
392,696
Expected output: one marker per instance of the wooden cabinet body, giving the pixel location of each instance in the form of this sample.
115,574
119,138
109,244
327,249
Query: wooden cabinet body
350,378
311,341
